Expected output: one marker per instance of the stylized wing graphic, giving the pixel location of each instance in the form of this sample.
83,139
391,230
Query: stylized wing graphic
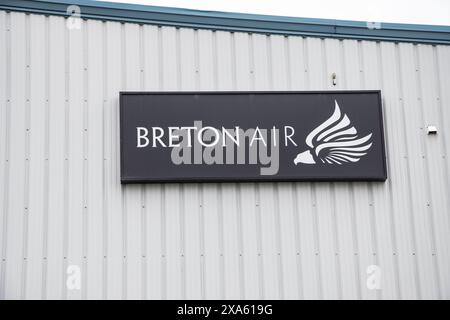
335,141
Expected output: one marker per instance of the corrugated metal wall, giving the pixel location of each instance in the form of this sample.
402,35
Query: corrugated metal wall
61,202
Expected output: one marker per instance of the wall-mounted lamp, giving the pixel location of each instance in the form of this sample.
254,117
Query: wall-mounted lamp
431,130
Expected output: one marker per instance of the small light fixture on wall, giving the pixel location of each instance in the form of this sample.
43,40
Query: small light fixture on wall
334,78
431,129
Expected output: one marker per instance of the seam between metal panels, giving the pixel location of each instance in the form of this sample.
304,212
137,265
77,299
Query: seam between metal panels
240,242
371,210
367,187
296,213
269,46
7,153
259,240
315,227
144,255
331,190
408,173
202,241
182,254
372,205
351,198
199,187
312,187
105,185
347,185
46,160
237,186
336,242
255,187
425,165
237,21
294,189
389,182
66,157
182,213
85,169
162,256
123,190
26,182
163,244
222,283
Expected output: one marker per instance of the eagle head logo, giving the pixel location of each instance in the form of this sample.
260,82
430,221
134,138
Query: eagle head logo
335,141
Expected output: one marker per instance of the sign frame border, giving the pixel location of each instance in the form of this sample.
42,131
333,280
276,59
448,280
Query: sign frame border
128,180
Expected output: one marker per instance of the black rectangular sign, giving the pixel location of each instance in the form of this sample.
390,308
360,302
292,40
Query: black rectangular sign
251,136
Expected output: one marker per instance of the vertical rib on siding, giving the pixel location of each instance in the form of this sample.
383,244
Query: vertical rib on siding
62,203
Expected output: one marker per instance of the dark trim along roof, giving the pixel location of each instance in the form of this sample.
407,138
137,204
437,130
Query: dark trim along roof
236,21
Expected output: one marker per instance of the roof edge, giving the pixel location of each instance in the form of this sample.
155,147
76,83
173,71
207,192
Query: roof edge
238,22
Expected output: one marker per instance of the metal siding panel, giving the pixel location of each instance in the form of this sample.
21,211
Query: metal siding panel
231,246
76,212
432,158
246,192
211,193
395,138
154,248
416,176
296,59
37,140
13,279
55,273
382,214
171,224
115,285
94,154
252,267
132,193
311,276
343,214
247,240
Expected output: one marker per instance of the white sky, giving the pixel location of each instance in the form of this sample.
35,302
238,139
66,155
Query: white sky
401,11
